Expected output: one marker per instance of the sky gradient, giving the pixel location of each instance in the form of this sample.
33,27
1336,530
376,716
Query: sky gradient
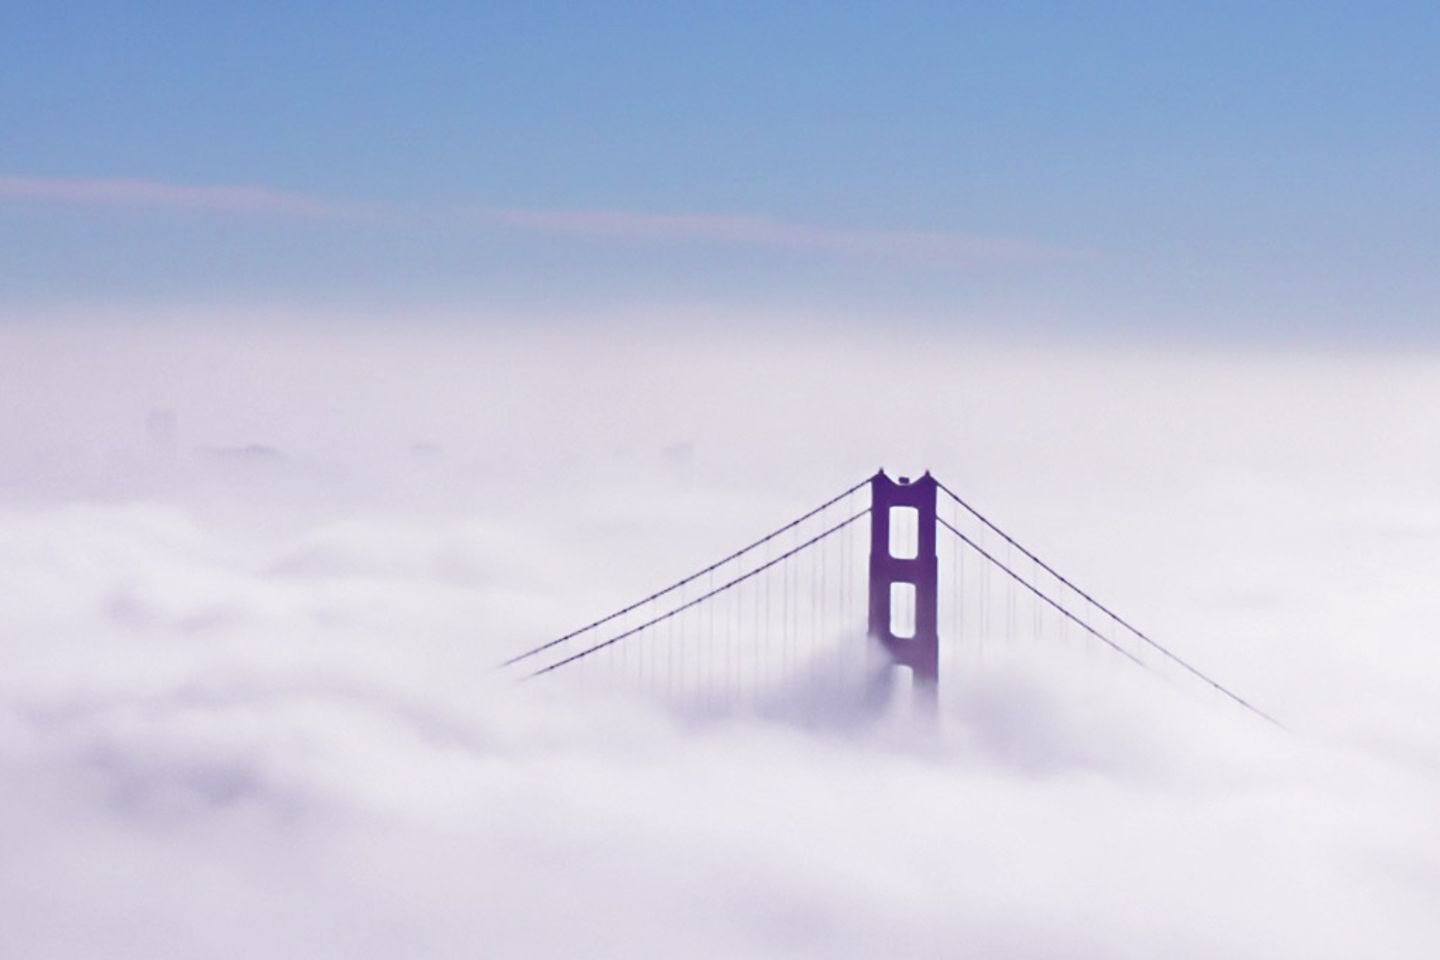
1153,170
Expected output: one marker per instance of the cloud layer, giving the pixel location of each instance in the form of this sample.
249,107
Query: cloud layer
257,583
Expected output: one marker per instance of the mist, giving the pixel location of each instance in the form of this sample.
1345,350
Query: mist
259,570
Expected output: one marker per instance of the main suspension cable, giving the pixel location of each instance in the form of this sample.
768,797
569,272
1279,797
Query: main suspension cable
703,597
1194,671
1042,595
680,583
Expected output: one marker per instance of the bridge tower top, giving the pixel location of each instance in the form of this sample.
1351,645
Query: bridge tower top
902,581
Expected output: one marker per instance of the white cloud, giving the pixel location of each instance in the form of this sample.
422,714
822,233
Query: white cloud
249,710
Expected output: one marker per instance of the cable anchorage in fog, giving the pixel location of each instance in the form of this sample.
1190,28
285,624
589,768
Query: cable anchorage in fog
1194,671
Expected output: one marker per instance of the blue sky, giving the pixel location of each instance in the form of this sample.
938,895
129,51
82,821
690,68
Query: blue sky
1247,169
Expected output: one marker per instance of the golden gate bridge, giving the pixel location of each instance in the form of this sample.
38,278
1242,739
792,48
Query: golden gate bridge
831,602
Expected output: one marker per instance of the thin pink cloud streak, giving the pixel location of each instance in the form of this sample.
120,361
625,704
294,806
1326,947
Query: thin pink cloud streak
771,232
620,225
152,193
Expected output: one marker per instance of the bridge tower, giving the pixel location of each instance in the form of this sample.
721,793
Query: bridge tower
916,644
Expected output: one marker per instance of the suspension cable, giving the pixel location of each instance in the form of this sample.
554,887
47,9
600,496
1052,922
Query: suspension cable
703,597
1042,595
1194,671
680,583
